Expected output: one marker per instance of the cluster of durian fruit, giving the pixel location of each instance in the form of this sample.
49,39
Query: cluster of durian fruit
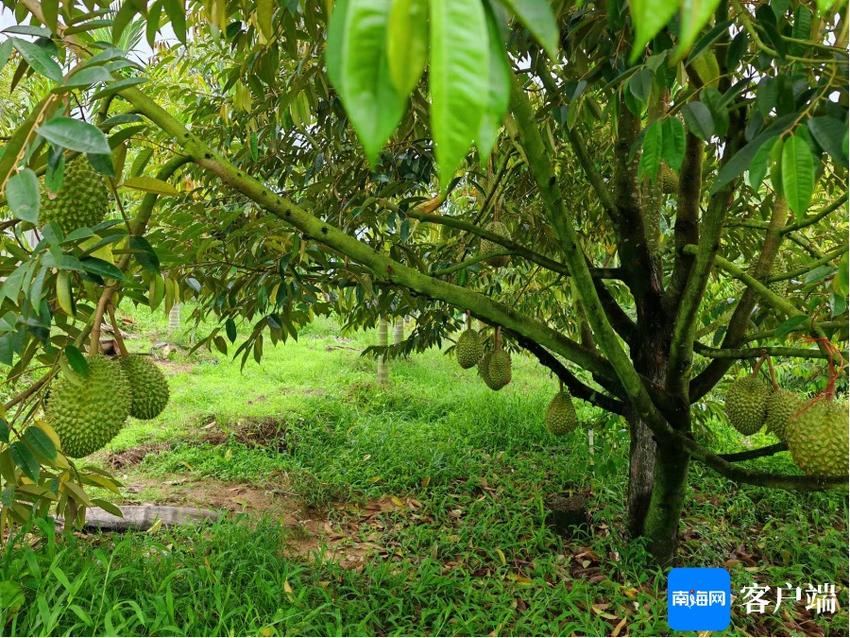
815,430
88,411
494,367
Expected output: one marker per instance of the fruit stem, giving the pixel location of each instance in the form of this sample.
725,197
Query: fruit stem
772,373
497,339
119,340
94,340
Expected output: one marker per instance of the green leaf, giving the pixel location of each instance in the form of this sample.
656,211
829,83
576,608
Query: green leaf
695,14
113,509
699,120
39,59
88,76
38,441
831,134
150,185
50,10
176,12
407,43
537,17
651,150
499,94
5,52
790,325
22,195
75,135
673,142
640,85
459,89
144,253
649,17
122,18
265,11
357,66
758,167
230,328
103,268
76,360
4,430
798,174
25,460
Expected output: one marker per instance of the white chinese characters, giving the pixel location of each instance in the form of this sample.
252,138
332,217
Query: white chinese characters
821,599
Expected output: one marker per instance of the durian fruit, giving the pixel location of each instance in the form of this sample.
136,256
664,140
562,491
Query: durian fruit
87,412
746,404
561,414
779,407
778,287
148,386
484,369
817,438
499,369
488,247
82,201
469,349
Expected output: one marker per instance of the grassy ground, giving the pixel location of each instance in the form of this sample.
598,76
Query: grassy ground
416,509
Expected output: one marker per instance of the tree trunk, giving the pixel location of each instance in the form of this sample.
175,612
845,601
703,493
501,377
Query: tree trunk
661,525
383,365
642,452
398,331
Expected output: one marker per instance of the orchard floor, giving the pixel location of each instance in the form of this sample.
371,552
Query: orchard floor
415,509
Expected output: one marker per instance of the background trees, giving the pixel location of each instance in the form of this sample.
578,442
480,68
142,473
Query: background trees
655,173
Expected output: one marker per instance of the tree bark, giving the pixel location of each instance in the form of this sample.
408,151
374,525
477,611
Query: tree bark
661,525
642,451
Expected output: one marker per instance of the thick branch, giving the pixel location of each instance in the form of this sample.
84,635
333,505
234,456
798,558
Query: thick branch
802,270
757,453
814,219
384,268
754,353
576,387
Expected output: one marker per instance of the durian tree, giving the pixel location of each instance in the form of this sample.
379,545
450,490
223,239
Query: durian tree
646,196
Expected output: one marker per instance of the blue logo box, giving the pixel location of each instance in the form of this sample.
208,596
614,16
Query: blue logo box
699,599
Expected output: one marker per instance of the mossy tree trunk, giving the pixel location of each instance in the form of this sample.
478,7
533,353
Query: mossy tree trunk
398,331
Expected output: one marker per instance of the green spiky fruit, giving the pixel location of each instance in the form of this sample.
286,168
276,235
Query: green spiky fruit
484,369
83,200
499,369
817,438
779,407
488,247
746,404
469,349
561,414
147,385
87,412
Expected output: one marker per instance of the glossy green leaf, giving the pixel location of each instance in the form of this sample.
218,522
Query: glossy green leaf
459,89
699,120
176,12
22,195
695,14
75,135
758,167
50,11
37,440
358,68
499,94
798,174
103,268
5,51
673,142
825,5
407,43
150,185
24,459
39,59
649,17
77,360
537,17
122,18
265,11
651,151
831,134
88,76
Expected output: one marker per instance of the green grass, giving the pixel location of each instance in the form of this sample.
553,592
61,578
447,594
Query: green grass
474,557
